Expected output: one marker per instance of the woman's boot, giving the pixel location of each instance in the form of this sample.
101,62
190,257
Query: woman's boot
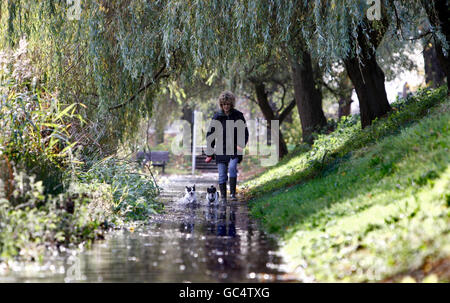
233,189
223,192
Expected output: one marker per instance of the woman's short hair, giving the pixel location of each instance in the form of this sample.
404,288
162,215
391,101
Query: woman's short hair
227,97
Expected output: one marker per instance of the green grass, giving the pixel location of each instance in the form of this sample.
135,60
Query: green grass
338,146
364,205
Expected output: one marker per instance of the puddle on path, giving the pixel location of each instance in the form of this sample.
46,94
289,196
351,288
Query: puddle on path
187,243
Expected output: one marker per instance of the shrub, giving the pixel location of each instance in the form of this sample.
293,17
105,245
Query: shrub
133,192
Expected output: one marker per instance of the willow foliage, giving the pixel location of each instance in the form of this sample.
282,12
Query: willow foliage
115,57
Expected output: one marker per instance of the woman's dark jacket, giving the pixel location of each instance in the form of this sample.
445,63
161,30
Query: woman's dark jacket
220,116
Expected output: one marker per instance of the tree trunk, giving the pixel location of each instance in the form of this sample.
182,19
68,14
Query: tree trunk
344,107
444,60
159,134
188,115
263,102
307,96
345,96
365,73
283,150
439,14
368,80
434,74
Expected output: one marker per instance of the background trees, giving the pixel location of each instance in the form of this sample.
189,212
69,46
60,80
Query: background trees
438,13
119,57
270,83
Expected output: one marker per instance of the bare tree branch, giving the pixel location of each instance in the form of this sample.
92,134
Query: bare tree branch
154,79
284,94
250,98
331,90
286,111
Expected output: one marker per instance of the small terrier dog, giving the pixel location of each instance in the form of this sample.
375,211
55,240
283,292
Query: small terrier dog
190,196
212,195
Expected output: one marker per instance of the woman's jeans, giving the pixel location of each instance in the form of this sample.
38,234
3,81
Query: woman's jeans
230,167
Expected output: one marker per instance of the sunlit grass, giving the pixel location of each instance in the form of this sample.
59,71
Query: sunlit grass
380,210
330,150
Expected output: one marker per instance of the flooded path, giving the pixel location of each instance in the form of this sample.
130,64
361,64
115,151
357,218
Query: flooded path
186,243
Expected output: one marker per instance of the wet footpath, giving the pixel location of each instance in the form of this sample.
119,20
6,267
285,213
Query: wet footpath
196,242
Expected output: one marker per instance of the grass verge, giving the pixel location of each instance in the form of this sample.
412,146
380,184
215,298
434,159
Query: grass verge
364,205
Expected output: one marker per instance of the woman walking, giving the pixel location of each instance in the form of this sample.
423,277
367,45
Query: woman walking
234,138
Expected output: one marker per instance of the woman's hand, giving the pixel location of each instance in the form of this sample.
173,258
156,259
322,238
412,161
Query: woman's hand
208,159
240,150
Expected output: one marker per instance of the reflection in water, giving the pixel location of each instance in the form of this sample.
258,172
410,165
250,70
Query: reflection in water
223,245
196,243
221,220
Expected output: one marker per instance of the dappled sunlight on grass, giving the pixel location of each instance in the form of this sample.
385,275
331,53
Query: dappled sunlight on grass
380,210
330,150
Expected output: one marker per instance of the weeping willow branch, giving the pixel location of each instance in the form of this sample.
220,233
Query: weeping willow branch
153,177
155,78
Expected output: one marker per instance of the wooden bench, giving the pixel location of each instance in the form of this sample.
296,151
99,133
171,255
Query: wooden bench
157,158
200,163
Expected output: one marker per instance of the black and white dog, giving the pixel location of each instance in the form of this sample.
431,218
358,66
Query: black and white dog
212,195
190,196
